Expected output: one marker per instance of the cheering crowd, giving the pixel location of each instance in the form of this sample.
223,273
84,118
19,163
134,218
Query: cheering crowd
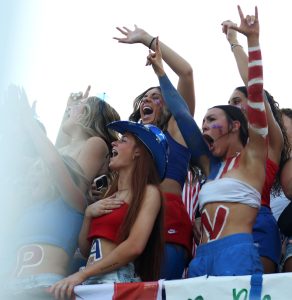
155,196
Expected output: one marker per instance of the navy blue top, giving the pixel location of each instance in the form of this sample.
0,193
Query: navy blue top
178,160
187,125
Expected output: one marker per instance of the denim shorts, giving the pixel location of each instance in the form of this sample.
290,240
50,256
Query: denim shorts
123,274
33,286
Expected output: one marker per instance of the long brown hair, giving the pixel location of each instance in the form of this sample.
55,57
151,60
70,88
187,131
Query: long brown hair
285,153
164,117
147,265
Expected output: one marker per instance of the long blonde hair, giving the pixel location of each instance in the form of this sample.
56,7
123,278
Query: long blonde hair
95,116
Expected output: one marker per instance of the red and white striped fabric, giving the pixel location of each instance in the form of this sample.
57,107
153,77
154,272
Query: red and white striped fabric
190,199
256,107
227,165
120,291
190,195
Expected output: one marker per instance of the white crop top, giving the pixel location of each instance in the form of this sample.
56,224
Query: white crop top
229,190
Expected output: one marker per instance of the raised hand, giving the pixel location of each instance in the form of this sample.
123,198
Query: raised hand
230,33
249,25
74,102
75,98
131,36
154,58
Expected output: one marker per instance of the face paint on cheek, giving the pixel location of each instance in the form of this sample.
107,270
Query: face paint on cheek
158,102
28,257
217,126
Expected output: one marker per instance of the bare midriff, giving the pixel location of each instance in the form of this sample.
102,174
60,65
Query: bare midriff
53,260
240,219
107,247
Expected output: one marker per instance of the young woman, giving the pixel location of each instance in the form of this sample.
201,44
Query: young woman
265,231
53,191
229,204
125,244
149,108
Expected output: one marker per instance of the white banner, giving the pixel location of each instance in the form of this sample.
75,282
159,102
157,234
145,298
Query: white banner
275,287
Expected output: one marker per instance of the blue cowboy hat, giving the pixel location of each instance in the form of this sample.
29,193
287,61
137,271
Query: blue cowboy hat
151,136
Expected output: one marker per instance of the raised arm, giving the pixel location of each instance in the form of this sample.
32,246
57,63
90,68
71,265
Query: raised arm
256,113
63,138
179,109
177,63
49,154
241,58
237,50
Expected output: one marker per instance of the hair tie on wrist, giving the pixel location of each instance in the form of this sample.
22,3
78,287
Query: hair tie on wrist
235,45
151,42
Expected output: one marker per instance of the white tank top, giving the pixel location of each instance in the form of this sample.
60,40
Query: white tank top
229,190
